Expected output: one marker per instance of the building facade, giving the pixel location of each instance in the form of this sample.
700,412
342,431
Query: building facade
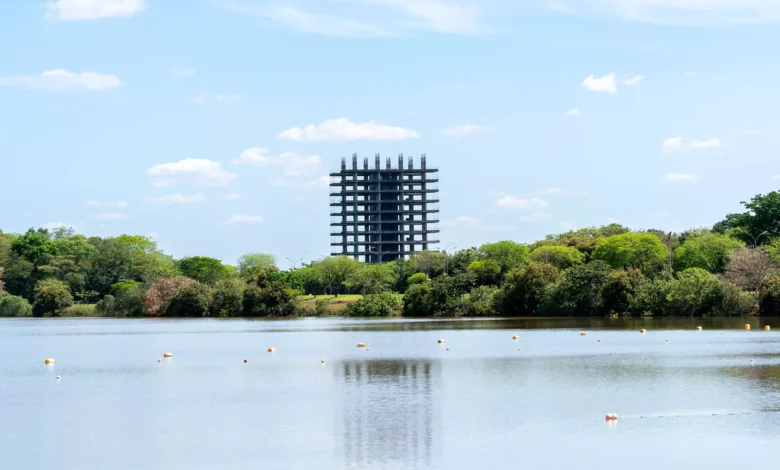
383,214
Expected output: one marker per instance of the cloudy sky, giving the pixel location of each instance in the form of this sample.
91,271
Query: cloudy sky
212,124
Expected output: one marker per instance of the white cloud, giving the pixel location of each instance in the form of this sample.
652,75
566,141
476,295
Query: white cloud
63,80
680,177
74,10
471,223
684,12
182,72
679,143
195,170
291,163
177,198
536,217
231,197
515,202
464,130
110,216
561,192
634,81
342,129
367,18
118,204
244,219
604,84
573,112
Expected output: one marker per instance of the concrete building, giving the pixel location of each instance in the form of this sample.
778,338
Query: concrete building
383,214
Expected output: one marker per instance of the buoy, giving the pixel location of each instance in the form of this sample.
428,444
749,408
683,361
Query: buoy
48,361
598,340
441,341
244,361
167,355
525,341
643,330
747,326
159,360
271,349
698,328
583,334
368,349
58,377
667,340
361,345
518,349
767,328
515,337
448,349
611,417
322,361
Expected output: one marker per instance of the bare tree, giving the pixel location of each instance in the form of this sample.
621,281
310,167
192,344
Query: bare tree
749,269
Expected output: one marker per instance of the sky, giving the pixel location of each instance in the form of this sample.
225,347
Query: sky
212,125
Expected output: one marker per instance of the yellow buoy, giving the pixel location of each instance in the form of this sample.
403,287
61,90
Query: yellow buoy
698,328
48,361
167,355
747,326
643,330
611,417
361,345
271,349
515,337
583,334
441,341
767,328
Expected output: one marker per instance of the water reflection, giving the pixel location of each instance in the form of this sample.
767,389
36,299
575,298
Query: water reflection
388,414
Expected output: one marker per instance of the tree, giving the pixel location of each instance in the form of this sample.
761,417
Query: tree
651,297
228,298
620,290
508,254
158,297
429,262
761,218
14,306
417,278
579,292
418,300
2,284
584,240
192,300
562,257
488,271
35,246
642,251
126,257
382,304
203,269
460,261
265,296
51,297
749,269
371,278
334,271
695,292
706,250
769,300
252,262
525,288
481,301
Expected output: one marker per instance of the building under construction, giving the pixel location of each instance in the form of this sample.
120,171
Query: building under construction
383,214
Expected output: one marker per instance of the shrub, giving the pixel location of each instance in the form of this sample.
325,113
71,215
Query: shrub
80,310
227,299
192,300
736,302
266,296
524,290
416,278
51,296
695,292
770,297
620,289
13,306
382,304
579,292
479,302
651,297
418,300
321,306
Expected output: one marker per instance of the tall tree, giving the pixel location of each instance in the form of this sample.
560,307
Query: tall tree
642,251
759,224
204,269
252,262
706,250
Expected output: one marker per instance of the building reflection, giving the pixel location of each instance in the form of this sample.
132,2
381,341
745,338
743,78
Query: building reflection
387,413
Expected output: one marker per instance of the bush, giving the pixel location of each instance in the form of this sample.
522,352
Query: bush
418,300
382,304
228,297
770,297
579,292
736,302
267,297
695,292
321,306
525,288
481,301
487,271
80,310
158,297
651,297
13,306
51,297
416,278
192,300
620,290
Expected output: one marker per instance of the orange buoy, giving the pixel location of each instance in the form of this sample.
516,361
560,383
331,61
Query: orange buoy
611,417
747,326
583,334
361,345
767,328
167,355
515,337
643,330
698,328
48,361
271,349
441,341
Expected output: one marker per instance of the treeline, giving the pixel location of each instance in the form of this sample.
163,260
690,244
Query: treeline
731,269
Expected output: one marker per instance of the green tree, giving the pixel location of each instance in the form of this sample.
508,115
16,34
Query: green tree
204,269
51,297
431,263
562,257
525,289
480,302
382,304
228,298
417,278
760,224
620,290
706,250
579,292
334,271
14,306
488,271
252,262
35,246
418,300
192,300
651,297
266,297
769,299
642,251
695,292
126,257
584,240
371,278
508,254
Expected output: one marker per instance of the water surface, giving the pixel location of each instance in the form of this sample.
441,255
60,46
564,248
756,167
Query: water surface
479,400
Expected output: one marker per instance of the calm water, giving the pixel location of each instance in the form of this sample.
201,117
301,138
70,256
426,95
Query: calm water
408,403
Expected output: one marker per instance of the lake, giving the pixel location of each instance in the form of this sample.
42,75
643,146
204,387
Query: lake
479,400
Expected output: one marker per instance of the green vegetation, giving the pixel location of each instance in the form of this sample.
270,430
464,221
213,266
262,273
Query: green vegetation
731,269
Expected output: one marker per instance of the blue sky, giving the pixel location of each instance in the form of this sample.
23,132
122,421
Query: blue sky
211,124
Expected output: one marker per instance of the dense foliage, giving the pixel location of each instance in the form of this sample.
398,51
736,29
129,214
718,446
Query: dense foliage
731,269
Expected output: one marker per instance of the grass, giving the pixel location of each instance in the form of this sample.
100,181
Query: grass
335,305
